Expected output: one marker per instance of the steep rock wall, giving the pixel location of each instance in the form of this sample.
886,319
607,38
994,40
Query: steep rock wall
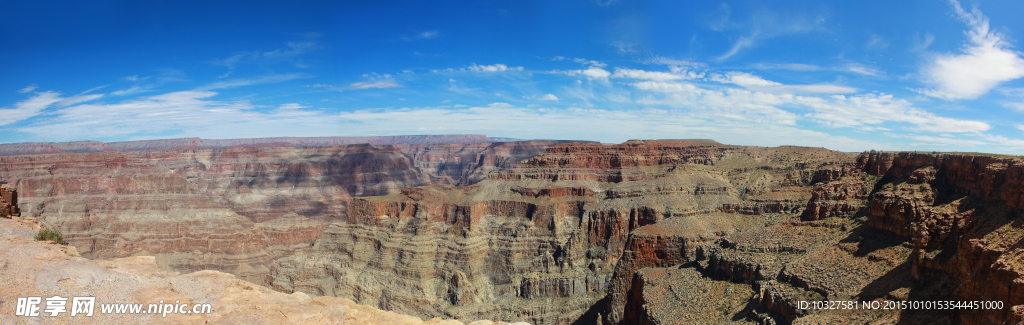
573,224
233,210
961,212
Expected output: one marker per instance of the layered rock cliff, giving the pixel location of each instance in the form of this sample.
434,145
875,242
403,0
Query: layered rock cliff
558,238
30,268
644,232
236,209
962,213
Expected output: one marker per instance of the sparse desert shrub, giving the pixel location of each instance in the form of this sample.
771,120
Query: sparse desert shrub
50,235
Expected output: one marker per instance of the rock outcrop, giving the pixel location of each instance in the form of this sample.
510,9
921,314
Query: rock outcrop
9,201
961,212
29,268
558,238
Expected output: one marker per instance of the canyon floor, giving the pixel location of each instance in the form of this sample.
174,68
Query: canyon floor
550,232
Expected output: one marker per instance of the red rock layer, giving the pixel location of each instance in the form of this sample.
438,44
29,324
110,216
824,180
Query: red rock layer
109,205
234,209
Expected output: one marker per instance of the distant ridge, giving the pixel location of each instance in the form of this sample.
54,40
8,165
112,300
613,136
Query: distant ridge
34,148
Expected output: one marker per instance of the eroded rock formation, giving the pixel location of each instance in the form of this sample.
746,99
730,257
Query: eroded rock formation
233,210
644,232
558,238
30,268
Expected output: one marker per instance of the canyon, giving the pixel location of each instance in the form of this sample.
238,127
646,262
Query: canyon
234,209
30,268
557,232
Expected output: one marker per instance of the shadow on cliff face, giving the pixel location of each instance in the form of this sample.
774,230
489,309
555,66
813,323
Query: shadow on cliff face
593,315
870,239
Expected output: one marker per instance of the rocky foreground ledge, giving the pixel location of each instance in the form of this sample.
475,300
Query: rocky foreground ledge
30,268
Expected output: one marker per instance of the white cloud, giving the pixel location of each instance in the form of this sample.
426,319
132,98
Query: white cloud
984,62
369,85
1012,145
591,63
624,47
592,72
672,62
741,43
493,68
1019,126
291,106
742,79
648,75
753,82
549,97
129,91
942,141
28,108
920,44
869,112
273,78
430,34
294,50
765,25
856,68
27,89
876,42
77,99
188,113
789,66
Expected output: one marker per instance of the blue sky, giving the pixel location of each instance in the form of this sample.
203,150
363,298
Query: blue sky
847,75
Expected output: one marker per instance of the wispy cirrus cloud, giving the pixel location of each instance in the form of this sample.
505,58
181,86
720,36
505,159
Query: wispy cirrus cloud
240,82
28,89
765,25
290,54
424,35
192,113
35,105
375,84
984,62
868,112
592,73
753,82
493,68
30,107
